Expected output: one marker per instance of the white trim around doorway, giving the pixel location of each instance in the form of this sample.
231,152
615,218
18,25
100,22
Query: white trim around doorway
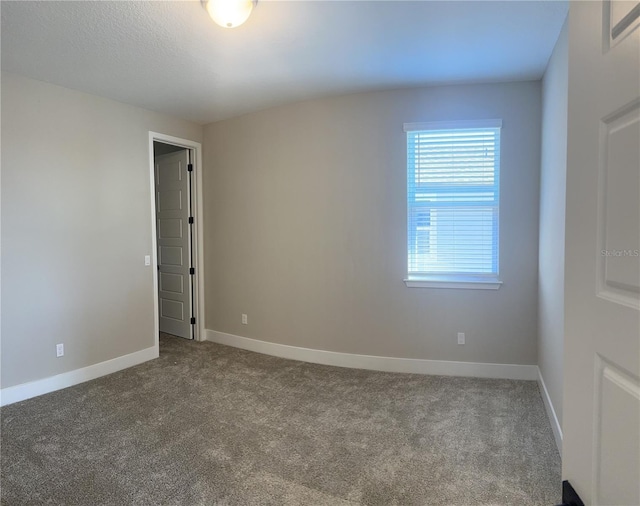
198,238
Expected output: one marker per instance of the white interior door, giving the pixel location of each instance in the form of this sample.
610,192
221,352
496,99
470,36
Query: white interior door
172,209
601,447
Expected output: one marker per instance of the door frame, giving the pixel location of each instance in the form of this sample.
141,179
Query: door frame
197,239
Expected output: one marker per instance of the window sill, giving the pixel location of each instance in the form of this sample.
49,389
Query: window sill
454,282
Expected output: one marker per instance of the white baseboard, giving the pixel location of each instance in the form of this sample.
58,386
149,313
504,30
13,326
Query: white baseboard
25,391
388,364
551,413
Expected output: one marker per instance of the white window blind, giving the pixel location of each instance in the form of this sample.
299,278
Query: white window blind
453,193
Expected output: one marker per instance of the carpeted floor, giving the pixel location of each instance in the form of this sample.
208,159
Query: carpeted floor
209,424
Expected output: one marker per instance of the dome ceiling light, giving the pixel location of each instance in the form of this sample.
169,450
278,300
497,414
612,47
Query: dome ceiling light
229,13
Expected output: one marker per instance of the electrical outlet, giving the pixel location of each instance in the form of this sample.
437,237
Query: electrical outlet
460,337
245,321
59,350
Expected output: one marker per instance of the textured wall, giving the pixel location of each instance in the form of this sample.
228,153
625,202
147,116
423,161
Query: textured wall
76,224
553,184
305,209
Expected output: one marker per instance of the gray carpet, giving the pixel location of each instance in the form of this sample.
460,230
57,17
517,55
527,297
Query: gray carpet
209,424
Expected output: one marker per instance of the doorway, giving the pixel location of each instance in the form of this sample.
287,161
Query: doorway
176,207
174,248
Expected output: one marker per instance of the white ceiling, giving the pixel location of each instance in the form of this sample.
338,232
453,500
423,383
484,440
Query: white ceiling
170,57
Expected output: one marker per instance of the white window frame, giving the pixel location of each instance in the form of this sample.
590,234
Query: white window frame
454,280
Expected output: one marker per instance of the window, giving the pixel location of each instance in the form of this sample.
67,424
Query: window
453,201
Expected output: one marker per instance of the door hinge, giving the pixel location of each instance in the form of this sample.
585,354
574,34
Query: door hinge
192,270
190,167
190,220
193,321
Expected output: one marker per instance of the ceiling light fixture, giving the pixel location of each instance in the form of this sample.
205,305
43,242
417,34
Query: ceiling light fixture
229,13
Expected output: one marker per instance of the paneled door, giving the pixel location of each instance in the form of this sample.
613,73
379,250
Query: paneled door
172,210
601,447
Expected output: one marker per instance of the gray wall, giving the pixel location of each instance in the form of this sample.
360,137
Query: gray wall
76,225
305,209
160,148
553,181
